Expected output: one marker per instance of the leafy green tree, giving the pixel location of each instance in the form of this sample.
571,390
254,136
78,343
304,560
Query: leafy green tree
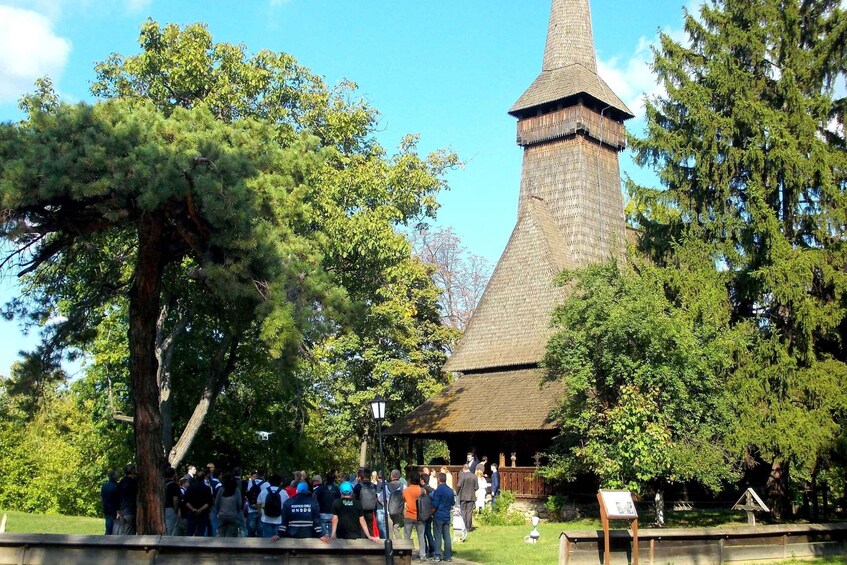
360,198
191,191
749,144
644,354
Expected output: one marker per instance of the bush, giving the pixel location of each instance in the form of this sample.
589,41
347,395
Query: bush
502,514
555,504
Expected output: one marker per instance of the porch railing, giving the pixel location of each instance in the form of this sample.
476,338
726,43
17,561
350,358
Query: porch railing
523,482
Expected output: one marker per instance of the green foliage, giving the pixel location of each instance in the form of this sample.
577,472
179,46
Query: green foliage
643,376
749,144
502,514
555,504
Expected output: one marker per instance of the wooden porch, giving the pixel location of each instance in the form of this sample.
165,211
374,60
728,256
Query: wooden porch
523,482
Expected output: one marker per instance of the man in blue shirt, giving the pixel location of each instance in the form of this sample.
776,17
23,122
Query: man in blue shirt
442,503
111,501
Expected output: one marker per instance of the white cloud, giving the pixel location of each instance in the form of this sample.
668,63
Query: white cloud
631,78
29,48
135,6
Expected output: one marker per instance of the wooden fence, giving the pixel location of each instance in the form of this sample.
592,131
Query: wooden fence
521,481
698,546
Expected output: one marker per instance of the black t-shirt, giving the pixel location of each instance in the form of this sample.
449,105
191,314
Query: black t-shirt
348,511
171,491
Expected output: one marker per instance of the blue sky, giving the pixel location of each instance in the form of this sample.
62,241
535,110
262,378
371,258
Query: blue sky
447,70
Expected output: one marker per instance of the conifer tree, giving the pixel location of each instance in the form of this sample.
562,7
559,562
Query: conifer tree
749,144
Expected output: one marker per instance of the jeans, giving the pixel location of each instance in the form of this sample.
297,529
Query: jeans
171,520
268,530
110,525
326,524
442,532
430,542
253,524
419,528
213,522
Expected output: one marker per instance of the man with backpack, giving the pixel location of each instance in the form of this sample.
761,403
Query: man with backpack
301,517
270,504
365,492
396,504
252,489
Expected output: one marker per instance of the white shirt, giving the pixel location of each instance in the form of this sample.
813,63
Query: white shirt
263,496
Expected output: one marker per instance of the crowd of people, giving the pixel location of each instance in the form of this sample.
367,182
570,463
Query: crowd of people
364,506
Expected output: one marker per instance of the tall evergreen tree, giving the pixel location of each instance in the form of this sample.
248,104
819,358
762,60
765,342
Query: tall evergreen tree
749,144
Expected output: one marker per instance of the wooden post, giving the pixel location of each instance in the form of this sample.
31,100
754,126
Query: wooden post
635,542
604,520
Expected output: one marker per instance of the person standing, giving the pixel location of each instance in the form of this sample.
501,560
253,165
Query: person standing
110,500
301,516
325,495
495,484
128,494
442,503
481,488
254,488
198,502
411,520
365,492
427,520
348,520
172,498
190,474
270,503
396,504
228,507
472,462
467,496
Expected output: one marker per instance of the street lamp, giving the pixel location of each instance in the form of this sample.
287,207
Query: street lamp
378,405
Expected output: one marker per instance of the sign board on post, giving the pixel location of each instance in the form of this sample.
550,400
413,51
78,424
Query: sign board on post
617,505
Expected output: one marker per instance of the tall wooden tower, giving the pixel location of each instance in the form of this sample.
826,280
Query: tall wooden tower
570,214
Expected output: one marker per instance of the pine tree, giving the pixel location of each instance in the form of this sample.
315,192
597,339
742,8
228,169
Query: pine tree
749,143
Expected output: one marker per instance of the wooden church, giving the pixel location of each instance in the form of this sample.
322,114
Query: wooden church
570,214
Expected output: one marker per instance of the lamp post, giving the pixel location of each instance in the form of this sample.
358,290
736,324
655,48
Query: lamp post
378,405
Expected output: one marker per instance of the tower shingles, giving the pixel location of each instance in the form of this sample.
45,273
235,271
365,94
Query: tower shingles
570,214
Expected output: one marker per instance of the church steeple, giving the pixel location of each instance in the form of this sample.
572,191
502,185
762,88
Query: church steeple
569,70
569,38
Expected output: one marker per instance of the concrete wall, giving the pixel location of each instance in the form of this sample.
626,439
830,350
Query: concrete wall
51,549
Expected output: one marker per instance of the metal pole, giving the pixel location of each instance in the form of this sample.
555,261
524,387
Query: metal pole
389,547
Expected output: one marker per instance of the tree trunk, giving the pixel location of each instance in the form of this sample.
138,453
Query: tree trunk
165,345
777,489
218,373
143,315
363,448
660,506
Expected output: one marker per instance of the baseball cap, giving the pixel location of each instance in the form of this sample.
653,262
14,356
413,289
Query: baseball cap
302,488
346,488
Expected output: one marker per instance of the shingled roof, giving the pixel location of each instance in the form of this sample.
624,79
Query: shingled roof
493,402
570,65
511,324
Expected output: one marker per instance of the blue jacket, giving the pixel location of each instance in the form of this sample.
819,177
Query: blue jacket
301,517
495,483
442,502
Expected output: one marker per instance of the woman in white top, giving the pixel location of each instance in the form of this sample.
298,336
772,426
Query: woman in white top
481,486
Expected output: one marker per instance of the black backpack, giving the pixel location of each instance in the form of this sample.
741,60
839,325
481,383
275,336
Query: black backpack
273,503
396,504
367,496
254,492
424,506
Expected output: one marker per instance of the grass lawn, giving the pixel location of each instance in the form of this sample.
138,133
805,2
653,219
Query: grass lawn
26,523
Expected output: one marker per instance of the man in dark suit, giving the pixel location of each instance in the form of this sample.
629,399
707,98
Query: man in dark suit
467,495
495,484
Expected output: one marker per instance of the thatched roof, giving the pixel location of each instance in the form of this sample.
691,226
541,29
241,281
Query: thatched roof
511,324
570,65
488,402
